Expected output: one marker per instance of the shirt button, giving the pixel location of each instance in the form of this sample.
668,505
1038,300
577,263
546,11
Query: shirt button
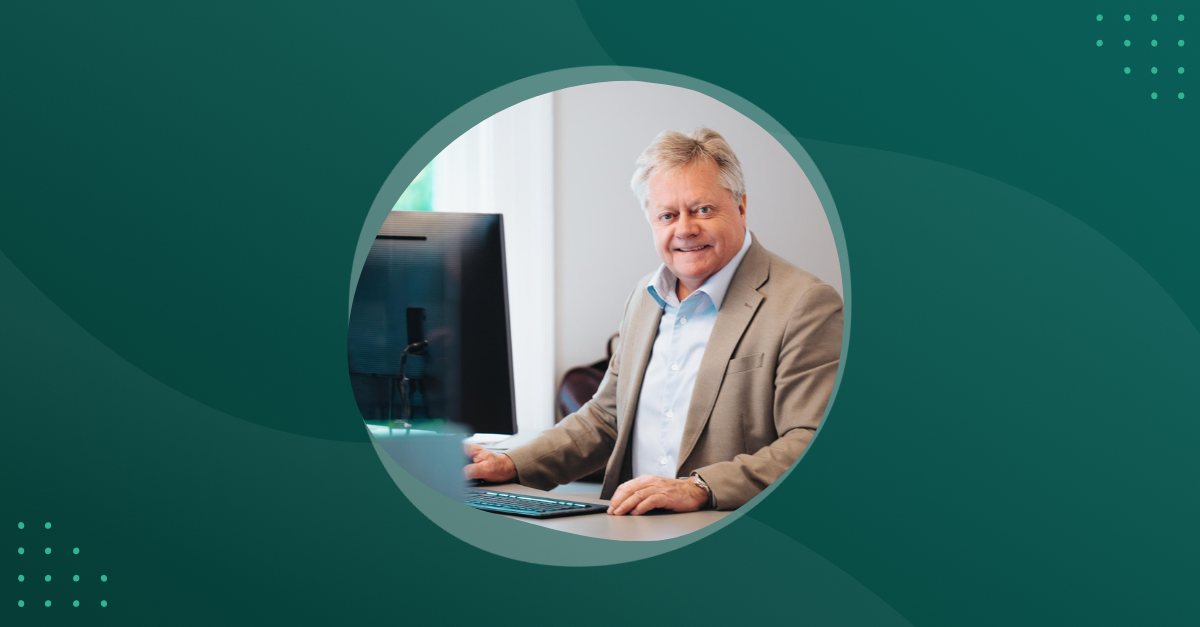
683,321
674,366
670,414
664,461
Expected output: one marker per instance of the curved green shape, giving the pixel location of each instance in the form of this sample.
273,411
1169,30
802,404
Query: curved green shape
835,596
515,539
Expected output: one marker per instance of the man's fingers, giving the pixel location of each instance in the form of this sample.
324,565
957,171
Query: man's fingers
618,496
654,501
477,453
616,500
627,488
622,493
629,503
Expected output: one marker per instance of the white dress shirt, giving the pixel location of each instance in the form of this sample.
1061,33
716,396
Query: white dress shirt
675,358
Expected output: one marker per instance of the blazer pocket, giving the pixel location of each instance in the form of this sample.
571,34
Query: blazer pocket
741,364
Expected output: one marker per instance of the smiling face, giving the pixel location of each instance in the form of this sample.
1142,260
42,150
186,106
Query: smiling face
697,225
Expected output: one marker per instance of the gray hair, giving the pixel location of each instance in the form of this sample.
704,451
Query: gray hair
672,150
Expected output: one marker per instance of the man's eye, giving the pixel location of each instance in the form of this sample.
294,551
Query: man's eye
664,217
704,210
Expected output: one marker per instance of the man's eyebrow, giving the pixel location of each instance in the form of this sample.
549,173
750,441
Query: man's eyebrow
704,201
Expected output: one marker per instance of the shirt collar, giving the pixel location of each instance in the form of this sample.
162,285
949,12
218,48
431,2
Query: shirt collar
662,283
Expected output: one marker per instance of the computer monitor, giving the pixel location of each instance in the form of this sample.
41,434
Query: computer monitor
437,278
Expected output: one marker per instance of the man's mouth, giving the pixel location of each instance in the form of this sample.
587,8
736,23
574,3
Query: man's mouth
692,250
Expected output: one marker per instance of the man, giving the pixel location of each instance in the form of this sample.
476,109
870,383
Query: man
727,359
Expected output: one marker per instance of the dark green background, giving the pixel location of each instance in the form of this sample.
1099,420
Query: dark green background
183,190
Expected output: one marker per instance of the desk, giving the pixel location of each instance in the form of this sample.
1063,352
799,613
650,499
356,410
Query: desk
657,525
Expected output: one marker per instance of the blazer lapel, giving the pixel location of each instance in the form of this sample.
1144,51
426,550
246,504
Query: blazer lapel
737,310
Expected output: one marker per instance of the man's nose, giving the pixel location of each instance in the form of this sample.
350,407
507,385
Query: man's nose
686,226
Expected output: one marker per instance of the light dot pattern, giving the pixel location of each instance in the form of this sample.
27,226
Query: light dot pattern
1181,70
1153,42
1154,17
104,578
1181,95
1181,42
1126,43
1154,70
1099,42
1154,95
1126,70
1180,17
1099,18
1126,17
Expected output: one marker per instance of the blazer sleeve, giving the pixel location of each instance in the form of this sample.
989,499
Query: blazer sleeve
804,377
581,443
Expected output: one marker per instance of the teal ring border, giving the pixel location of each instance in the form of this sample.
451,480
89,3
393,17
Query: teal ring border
515,539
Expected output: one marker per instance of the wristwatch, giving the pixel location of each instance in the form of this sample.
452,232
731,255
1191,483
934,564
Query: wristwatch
712,500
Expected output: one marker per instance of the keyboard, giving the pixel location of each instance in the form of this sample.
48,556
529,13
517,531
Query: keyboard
524,505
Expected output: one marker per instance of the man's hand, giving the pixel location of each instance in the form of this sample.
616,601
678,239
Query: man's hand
489,466
649,492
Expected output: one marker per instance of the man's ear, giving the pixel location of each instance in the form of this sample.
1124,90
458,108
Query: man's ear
742,207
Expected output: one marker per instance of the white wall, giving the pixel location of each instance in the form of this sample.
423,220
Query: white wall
602,242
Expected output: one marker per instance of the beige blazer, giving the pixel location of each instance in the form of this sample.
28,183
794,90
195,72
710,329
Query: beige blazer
763,384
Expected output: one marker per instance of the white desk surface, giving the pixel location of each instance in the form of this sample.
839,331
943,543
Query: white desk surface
657,525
